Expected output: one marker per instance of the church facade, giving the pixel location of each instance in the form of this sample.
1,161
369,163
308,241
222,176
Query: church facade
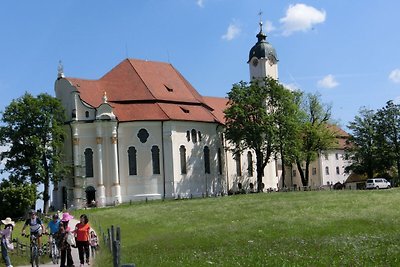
142,131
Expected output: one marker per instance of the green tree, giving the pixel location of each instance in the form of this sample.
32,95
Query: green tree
16,198
314,136
253,117
33,132
363,150
388,138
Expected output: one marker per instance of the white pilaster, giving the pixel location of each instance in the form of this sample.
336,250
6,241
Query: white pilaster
77,202
100,191
116,188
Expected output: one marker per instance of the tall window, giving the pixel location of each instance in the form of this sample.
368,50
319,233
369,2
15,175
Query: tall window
194,136
199,133
238,164
337,170
182,152
327,170
132,160
250,163
188,135
294,173
207,160
219,161
89,162
314,171
337,156
155,155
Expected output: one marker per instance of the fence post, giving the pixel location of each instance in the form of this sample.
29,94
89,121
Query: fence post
118,234
109,243
116,253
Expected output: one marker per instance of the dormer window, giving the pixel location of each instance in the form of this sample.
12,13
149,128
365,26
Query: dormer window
184,110
169,89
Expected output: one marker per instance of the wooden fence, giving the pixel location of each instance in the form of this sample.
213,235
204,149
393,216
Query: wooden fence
112,241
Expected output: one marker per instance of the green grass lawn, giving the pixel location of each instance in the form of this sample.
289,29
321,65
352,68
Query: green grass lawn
321,228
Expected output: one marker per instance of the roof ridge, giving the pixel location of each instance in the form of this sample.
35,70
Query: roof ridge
140,77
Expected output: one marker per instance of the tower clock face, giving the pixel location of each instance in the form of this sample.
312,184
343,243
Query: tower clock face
255,62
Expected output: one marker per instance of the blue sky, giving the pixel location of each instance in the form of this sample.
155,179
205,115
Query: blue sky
345,50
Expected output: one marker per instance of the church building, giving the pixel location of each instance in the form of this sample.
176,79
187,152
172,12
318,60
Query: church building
142,131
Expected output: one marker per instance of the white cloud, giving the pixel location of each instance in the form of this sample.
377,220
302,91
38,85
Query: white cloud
269,27
200,3
291,86
328,81
394,76
232,32
300,17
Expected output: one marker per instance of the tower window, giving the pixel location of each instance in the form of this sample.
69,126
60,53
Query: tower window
143,135
87,114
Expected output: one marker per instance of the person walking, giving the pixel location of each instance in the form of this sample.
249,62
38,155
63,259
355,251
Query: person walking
6,240
62,241
82,230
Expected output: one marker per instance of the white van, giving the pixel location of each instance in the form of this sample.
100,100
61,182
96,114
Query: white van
377,183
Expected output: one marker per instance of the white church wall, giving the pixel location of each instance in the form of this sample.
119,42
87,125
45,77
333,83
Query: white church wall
144,184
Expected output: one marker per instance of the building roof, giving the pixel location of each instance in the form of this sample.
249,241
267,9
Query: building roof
146,90
341,136
263,49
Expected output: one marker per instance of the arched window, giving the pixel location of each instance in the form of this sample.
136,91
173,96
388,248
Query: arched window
88,162
155,155
327,170
219,161
199,134
188,136
337,170
250,164
238,164
206,160
87,114
182,152
194,136
132,160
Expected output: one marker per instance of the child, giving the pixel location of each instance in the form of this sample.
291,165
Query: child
93,242
6,240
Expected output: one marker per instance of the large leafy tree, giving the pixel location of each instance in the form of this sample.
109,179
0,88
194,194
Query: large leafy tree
314,135
16,198
253,117
33,132
388,137
363,150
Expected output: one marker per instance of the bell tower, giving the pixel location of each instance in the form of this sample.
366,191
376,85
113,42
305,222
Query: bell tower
262,61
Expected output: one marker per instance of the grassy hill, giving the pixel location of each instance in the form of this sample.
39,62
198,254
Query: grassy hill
325,228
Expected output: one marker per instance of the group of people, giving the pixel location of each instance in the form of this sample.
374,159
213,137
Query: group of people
81,237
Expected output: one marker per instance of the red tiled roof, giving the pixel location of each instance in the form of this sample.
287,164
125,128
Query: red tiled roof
146,90
218,104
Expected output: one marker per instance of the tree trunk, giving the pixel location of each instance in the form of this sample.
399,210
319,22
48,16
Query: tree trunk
304,179
46,185
283,167
260,171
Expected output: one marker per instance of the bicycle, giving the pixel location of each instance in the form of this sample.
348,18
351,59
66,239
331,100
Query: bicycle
34,249
54,252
